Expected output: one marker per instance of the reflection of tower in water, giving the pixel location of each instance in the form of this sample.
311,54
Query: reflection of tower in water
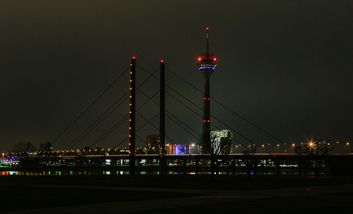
206,64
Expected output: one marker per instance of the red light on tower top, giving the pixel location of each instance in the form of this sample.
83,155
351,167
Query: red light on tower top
133,57
162,61
207,62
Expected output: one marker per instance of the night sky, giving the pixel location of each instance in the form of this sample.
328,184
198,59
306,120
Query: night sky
284,65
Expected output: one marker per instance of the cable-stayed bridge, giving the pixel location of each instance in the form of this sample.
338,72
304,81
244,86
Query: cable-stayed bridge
123,155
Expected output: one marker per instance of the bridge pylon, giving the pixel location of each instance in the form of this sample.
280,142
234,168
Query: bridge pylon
162,161
132,116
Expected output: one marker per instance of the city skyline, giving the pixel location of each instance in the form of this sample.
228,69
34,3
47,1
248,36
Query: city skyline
284,66
109,106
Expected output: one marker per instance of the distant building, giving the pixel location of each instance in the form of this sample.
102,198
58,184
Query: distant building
170,148
194,148
46,147
24,147
182,149
221,141
152,144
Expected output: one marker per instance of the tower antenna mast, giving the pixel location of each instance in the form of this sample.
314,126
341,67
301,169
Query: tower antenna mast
207,41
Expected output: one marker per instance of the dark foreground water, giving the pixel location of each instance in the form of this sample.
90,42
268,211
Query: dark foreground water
123,172
175,194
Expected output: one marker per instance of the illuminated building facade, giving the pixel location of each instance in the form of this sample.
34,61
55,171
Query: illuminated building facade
221,141
181,149
153,144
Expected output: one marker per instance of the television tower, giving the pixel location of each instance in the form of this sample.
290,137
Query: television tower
207,64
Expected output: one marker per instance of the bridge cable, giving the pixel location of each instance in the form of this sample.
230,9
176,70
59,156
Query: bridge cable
103,116
173,117
116,125
142,126
89,129
227,108
216,118
154,126
88,107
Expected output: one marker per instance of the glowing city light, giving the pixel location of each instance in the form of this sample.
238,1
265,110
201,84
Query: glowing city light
311,145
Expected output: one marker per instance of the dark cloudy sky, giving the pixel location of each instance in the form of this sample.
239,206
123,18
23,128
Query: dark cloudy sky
285,65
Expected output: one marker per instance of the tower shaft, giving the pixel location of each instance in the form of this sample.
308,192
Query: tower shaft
206,121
